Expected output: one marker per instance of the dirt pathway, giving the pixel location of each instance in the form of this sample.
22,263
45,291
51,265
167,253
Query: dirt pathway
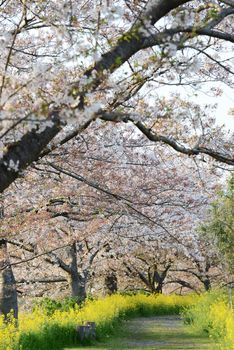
155,333
164,332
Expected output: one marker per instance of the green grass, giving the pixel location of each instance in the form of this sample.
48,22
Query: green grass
152,333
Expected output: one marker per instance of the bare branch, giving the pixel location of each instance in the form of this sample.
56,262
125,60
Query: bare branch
42,280
35,256
54,259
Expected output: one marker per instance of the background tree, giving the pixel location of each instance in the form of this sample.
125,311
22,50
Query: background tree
220,227
8,293
122,186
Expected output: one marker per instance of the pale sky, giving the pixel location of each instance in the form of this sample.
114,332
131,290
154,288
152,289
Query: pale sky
225,102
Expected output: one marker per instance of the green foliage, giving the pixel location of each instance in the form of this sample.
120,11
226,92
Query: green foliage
197,314
49,305
220,228
118,61
134,292
52,336
212,315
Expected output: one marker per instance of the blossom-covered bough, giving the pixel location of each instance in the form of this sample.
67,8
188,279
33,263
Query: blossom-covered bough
46,47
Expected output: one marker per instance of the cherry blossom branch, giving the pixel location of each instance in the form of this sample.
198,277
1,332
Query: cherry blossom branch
170,141
211,58
182,149
42,280
206,32
183,284
128,203
134,40
27,150
35,256
20,154
129,43
53,259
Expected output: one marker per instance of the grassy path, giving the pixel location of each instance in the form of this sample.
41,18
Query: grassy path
154,333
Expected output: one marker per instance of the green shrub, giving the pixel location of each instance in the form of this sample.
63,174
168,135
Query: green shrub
212,315
49,305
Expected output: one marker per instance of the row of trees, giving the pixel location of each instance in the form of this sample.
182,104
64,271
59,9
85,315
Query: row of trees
137,227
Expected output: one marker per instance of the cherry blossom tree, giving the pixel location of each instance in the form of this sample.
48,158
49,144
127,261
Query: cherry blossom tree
72,72
158,264
80,60
145,197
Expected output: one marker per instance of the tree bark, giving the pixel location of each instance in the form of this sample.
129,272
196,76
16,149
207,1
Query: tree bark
157,278
8,293
111,283
25,151
207,284
78,282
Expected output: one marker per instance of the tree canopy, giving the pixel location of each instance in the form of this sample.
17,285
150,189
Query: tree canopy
221,225
66,64
108,152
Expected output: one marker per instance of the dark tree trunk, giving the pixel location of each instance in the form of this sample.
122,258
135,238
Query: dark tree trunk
78,282
78,286
111,283
158,278
159,287
23,152
207,284
8,293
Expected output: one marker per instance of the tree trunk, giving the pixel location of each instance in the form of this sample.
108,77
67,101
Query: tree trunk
159,287
78,286
8,293
207,284
78,282
111,283
158,279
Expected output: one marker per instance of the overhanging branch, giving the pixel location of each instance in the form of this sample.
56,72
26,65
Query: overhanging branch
154,137
20,154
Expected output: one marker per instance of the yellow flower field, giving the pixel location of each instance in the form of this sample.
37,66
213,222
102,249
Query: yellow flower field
38,331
